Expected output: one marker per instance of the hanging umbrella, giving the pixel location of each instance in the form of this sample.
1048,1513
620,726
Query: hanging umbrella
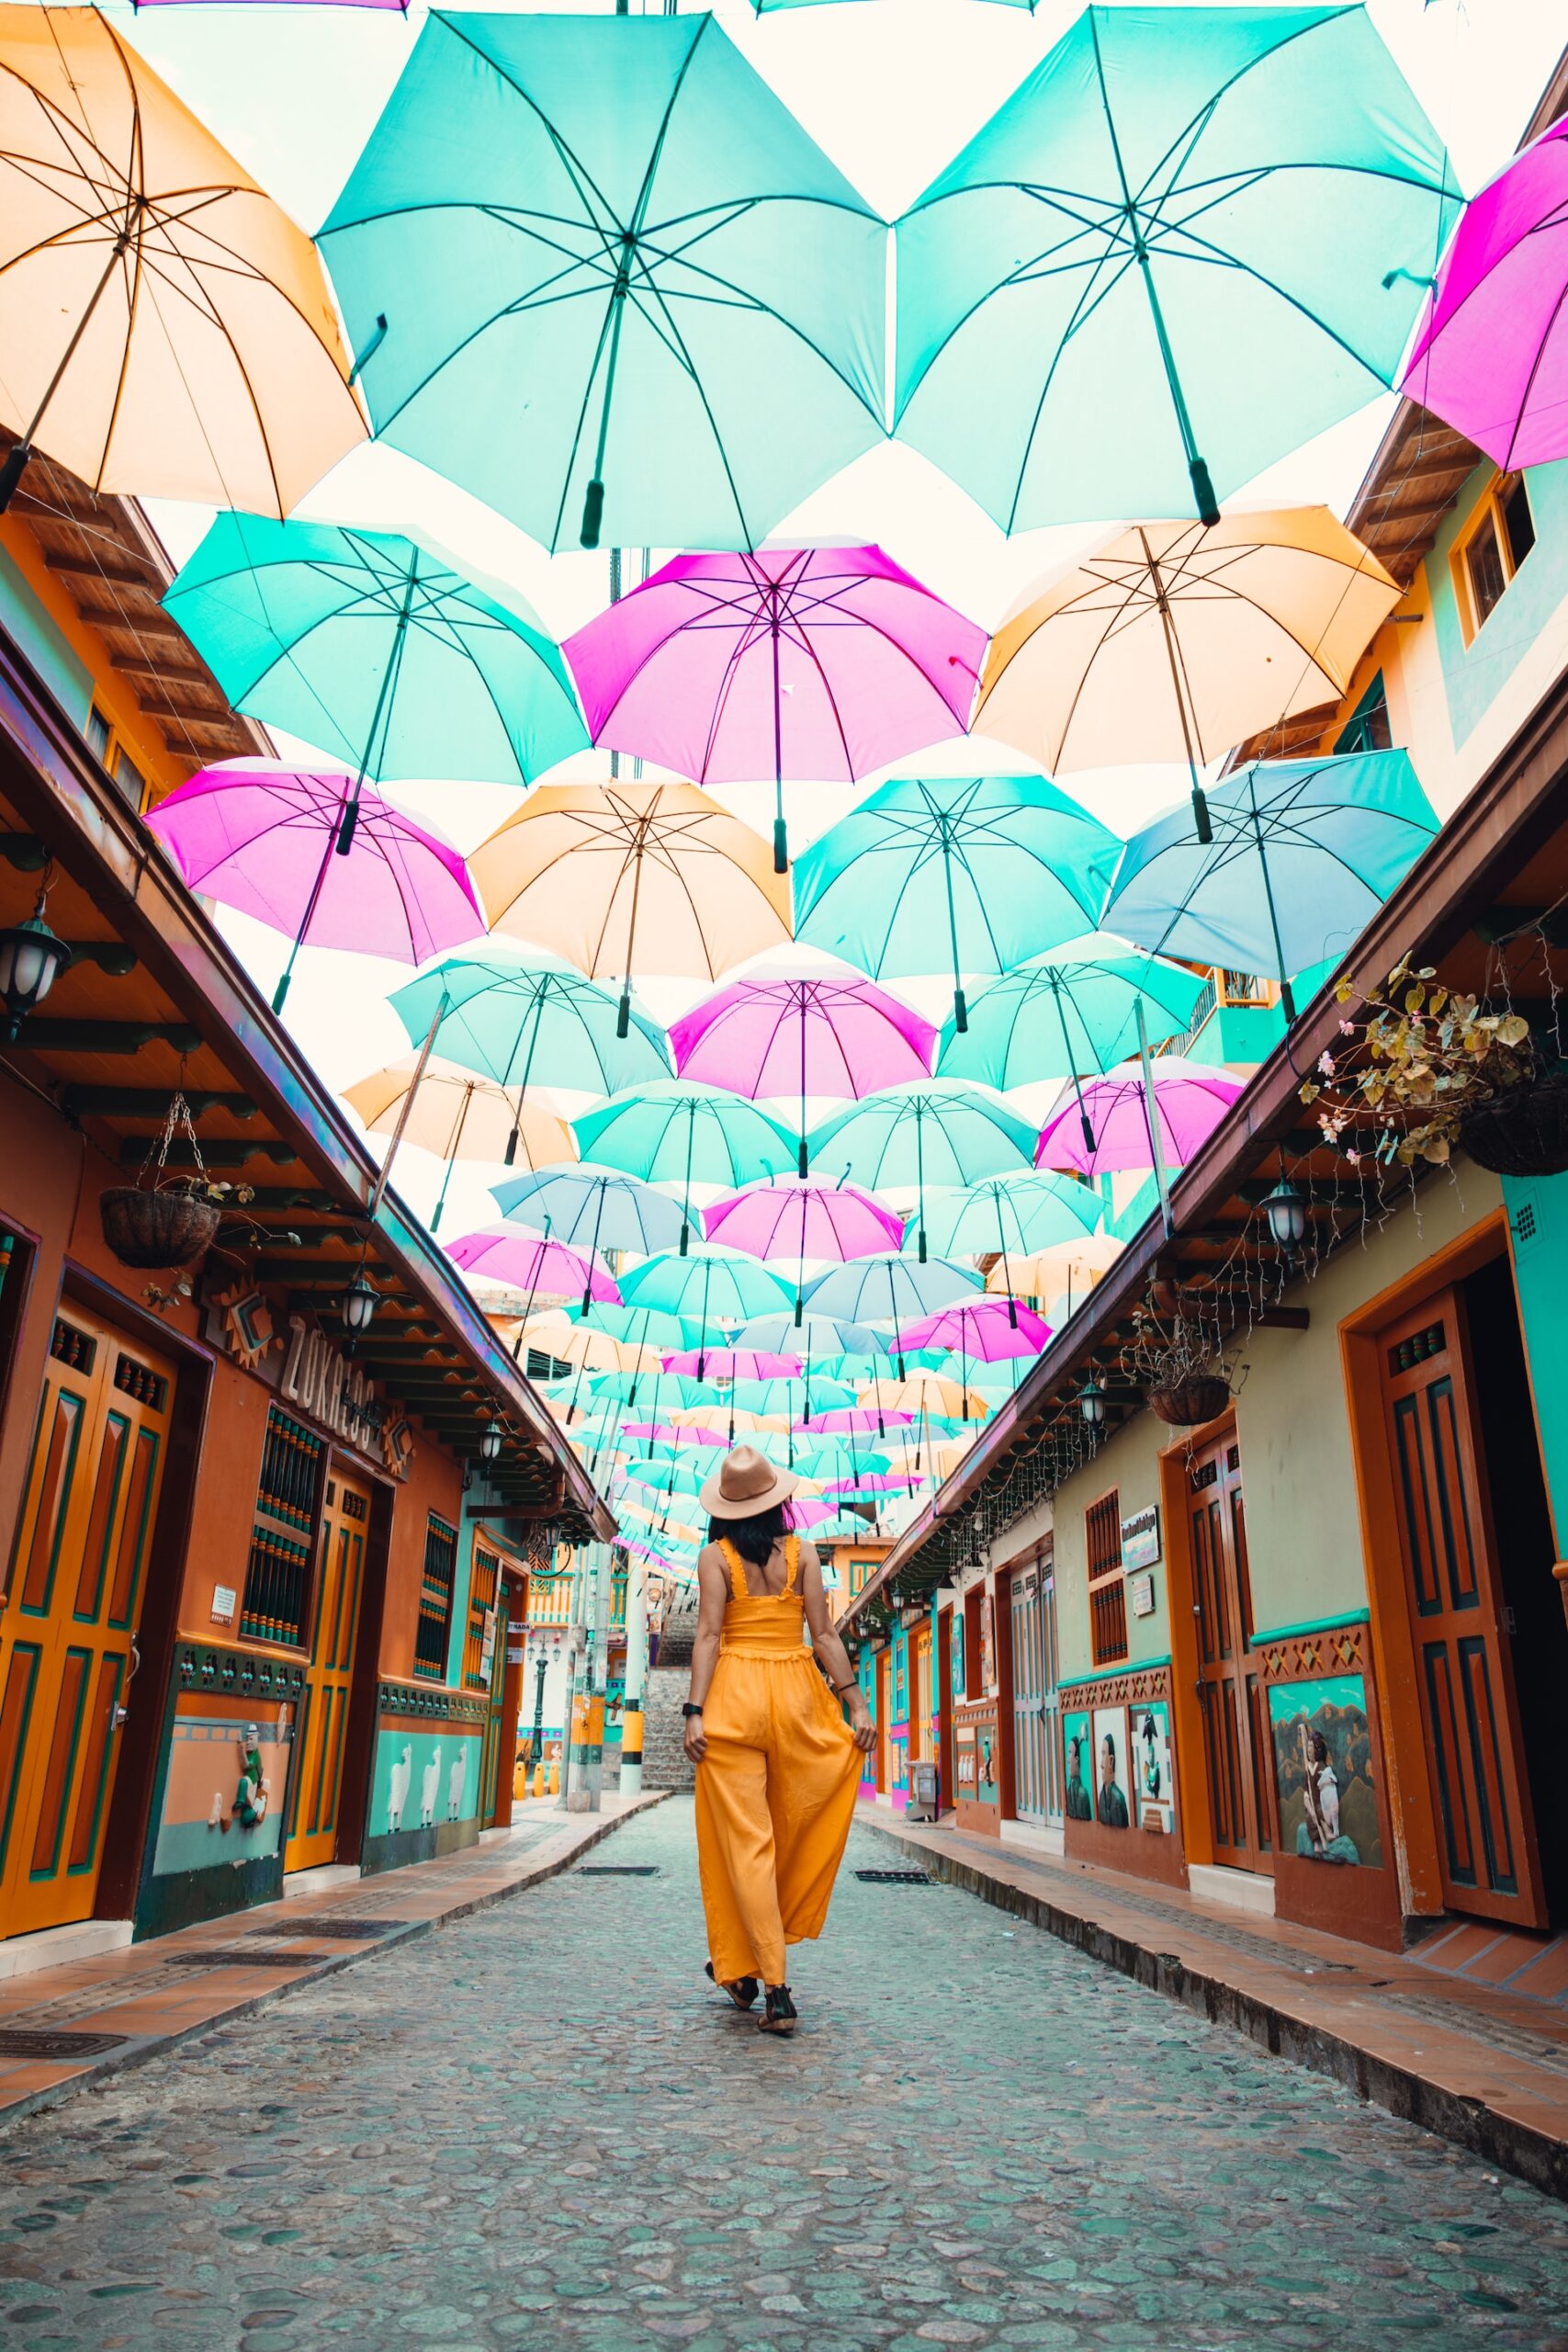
820,1337
892,1289
1174,640
378,650
672,1132
852,1420
633,877
530,1261
531,1019
639,1326
1192,239
1070,1012
787,1395
711,1286
1189,1101
597,1208
733,1364
601,277
555,1334
927,1395
1305,852
799,1218
456,1116
257,836
820,663
670,1433
1076,1264
1491,351
658,1394
168,331
973,872
1013,1215
802,1032
670,1473
930,1132
983,1330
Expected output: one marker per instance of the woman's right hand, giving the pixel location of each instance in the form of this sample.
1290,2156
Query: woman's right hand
695,1741
862,1730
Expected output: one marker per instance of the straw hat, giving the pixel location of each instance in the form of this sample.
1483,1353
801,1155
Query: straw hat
745,1484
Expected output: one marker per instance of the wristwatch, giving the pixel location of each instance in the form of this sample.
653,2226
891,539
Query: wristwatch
688,1709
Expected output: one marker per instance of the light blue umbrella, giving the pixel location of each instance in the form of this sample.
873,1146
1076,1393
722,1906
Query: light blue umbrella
709,1287
592,1208
892,1289
674,1474
921,1133
597,273
641,1327
965,874
379,650
817,1334
675,1131
653,1393
1302,855
1068,1014
1013,1215
1190,241
788,1396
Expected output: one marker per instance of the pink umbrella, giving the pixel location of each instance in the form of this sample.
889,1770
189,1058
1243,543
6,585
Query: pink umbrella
809,1510
666,1433
531,1262
800,1032
798,1217
987,1330
852,1420
733,1363
1190,1100
257,836
1491,354
823,662
870,1482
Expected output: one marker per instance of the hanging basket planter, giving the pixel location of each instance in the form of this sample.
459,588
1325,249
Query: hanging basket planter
1196,1398
1523,1132
156,1229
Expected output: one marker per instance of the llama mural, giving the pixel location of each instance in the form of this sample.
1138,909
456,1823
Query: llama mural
424,1782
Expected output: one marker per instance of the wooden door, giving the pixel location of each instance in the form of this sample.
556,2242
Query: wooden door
323,1713
1463,1668
68,1628
1237,1743
921,1692
883,1720
493,1662
1036,1701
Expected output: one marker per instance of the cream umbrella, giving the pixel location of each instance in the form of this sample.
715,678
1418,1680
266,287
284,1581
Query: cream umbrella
630,878
555,1334
458,1116
167,330
1173,642
928,1393
1069,1266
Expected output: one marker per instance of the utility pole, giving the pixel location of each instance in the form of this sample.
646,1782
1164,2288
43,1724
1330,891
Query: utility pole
636,1676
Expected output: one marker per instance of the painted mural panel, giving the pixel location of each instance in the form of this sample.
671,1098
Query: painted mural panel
422,1778
1112,1809
1078,1800
957,1622
1323,1771
1151,1766
223,1797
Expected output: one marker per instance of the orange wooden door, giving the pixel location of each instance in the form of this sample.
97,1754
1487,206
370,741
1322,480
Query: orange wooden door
1237,1743
921,1691
1463,1671
883,1720
323,1713
68,1629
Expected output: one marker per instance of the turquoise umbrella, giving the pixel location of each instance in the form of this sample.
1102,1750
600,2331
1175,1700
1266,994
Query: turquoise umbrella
673,1475
675,1131
971,874
1190,241
530,1019
1302,855
592,1208
893,1289
653,1393
598,273
641,1327
1012,1214
788,1396
710,1287
925,1132
819,1335
379,650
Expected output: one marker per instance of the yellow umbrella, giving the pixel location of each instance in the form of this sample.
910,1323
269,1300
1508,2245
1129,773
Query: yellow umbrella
1173,642
926,1392
458,1116
555,1334
630,878
1074,1265
167,329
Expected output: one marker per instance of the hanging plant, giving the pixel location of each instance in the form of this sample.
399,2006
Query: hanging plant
1425,1071
1179,1362
167,1219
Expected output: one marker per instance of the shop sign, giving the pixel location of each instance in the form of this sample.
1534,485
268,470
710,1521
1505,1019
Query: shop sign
323,1383
1140,1594
1140,1538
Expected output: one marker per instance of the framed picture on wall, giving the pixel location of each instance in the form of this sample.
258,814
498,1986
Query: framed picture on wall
988,1640
1112,1809
1078,1800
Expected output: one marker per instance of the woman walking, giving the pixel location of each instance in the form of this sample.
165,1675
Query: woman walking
777,1767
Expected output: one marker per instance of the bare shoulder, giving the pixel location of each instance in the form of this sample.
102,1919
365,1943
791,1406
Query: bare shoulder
810,1559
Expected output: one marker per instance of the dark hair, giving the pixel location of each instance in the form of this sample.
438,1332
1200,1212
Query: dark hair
753,1538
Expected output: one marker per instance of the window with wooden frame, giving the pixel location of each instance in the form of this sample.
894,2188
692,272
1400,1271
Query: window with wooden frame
435,1626
1107,1581
484,1584
283,1532
1490,550
974,1667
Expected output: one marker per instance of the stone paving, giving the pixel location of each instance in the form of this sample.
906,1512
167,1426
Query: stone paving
538,2127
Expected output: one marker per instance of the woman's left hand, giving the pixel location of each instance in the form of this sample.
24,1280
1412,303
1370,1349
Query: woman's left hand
862,1730
695,1741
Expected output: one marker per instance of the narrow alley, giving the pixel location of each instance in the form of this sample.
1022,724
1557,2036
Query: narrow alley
539,2127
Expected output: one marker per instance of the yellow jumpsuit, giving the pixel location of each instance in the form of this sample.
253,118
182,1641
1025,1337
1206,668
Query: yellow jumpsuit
776,1788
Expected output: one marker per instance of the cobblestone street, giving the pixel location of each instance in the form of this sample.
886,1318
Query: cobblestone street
539,2127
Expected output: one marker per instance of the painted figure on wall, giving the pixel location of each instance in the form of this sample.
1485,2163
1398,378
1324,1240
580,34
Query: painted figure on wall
1323,1767
988,1642
1076,1802
1153,1771
1111,1746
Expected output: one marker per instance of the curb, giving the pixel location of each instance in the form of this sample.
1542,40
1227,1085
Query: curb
1470,2123
97,2072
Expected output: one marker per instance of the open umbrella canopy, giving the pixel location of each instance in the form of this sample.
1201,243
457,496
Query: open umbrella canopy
1071,1266
889,1288
555,1334
923,1133
733,1363
656,1395
970,874
818,662
504,1253
669,1472
1303,853
601,277
168,331
930,1397
800,1218
789,1396
674,1132
642,1326
627,879
819,1337
983,1330
596,1208
377,648
852,1420
1190,241
656,1434
1189,1100
457,1115
712,1286
259,835
1070,1012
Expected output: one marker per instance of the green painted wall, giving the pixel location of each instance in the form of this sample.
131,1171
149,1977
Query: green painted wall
1537,1217
1130,1463
23,620
1475,674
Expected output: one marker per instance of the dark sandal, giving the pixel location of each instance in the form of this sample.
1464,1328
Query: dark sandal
779,2011
742,1992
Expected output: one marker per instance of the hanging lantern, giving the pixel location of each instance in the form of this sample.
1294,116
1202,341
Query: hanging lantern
492,1441
31,960
358,1305
1092,1402
1286,1207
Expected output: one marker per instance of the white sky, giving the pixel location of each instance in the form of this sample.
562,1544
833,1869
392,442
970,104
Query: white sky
891,89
